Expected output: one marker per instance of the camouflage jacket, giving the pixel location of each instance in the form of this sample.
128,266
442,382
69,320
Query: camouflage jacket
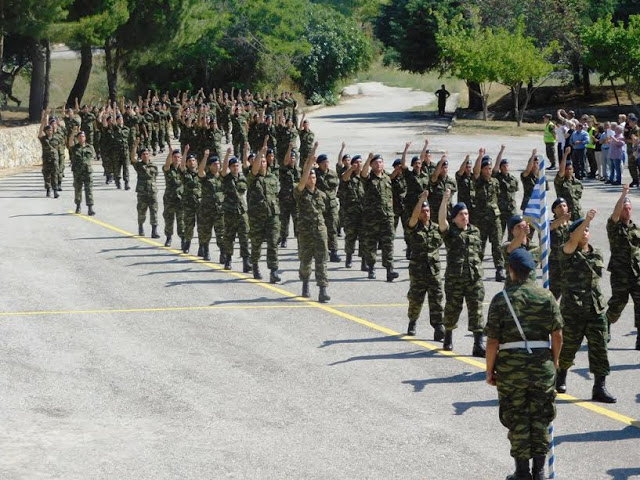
487,196
464,252
624,242
353,195
378,195
466,190
212,193
50,147
328,182
173,184
234,188
425,246
507,192
581,273
416,184
311,208
289,177
81,158
559,237
147,175
262,195
438,189
306,141
571,191
192,191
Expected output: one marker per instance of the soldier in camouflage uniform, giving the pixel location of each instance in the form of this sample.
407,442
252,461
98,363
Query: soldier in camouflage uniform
71,120
328,182
487,212
463,276
174,109
146,127
121,138
236,222
286,134
172,198
378,216
440,183
518,229
399,189
82,154
466,186
424,268
354,210
524,377
417,182
239,132
312,234
306,140
559,236
190,196
60,133
224,115
146,189
211,215
212,137
342,165
107,145
50,145
507,193
264,215
88,122
624,242
529,178
568,186
164,125
582,306
289,176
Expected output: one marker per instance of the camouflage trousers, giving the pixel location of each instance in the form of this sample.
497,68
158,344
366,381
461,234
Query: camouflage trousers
288,211
555,280
209,220
623,286
238,144
353,232
236,224
581,323
457,290
489,227
380,232
173,212
313,245
82,179
108,162
264,228
176,130
61,165
50,172
121,164
163,137
421,283
225,124
147,202
190,215
526,394
504,219
155,138
331,222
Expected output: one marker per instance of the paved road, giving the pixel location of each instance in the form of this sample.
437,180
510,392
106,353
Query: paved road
120,358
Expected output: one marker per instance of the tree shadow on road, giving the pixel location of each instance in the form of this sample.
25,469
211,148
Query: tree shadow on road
624,473
631,432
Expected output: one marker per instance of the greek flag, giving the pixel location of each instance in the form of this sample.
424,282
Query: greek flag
536,212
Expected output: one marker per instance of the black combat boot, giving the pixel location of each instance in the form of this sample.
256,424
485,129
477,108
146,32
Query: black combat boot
91,212
167,242
478,345
561,380
126,185
438,333
48,192
118,184
205,253
182,242
222,257
274,277
154,231
59,187
408,256
55,193
500,275
323,296
246,264
187,246
537,472
349,261
372,273
200,250
227,262
77,208
141,230
108,180
305,289
599,393
448,340
256,272
334,257
363,266
411,329
391,275
283,243
522,470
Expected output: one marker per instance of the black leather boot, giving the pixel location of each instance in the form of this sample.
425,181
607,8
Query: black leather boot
256,272
372,273
500,275
537,472
182,243
305,289
167,242
334,257
246,264
91,212
411,329
48,192
222,257
408,252
448,340
323,296
227,262
438,333
283,243
118,184
363,266
77,208
478,345
522,470
141,230
126,185
274,277
55,193
561,380
154,231
349,261
187,246
200,250
205,253
600,392
391,275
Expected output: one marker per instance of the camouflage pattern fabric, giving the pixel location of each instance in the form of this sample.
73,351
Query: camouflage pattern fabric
487,215
378,217
438,188
328,183
306,145
353,212
50,161
81,158
467,193
399,187
172,201
264,217
571,191
312,234
624,265
190,202
211,215
508,187
147,191
289,176
559,237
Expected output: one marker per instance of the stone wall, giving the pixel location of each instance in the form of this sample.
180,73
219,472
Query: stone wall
20,147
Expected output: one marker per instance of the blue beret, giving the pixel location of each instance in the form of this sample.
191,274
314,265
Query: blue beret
504,161
457,208
414,160
521,259
396,162
346,155
559,201
269,151
515,220
357,158
189,157
576,224
294,152
377,156
322,157
569,163
233,160
176,150
486,160
213,159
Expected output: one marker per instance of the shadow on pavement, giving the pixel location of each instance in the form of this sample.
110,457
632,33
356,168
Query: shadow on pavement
388,338
584,372
627,433
419,385
624,473
390,356
462,407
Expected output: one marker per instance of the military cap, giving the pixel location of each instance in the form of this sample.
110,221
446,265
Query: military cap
321,158
189,157
632,118
514,220
558,201
118,116
486,160
213,159
445,163
80,133
53,119
346,155
269,151
568,164
626,200
145,149
457,208
504,161
233,161
175,150
395,163
47,127
576,224
357,158
377,156
251,155
294,152
521,259
414,160
427,151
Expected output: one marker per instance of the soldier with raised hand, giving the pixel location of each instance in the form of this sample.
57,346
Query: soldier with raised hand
289,175
327,181
306,139
122,138
519,231
559,236
529,178
353,206
440,183
172,199
507,192
417,181
568,186
61,134
50,145
466,185
424,267
82,154
463,275
582,306
236,222
88,122
378,215
312,233
624,265
240,127
146,189
211,214
191,196
521,362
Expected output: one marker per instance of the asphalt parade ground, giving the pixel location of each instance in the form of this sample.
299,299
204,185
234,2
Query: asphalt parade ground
124,359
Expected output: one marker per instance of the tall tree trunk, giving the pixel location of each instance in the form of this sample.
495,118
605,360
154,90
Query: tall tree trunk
82,79
575,70
615,92
112,65
514,103
530,92
475,97
586,81
37,87
47,74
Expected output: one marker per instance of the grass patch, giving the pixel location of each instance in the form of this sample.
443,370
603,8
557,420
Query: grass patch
464,126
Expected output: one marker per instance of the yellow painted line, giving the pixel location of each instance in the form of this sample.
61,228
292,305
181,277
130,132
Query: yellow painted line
387,331
192,308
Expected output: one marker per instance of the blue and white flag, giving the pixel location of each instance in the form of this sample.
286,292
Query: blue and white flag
536,211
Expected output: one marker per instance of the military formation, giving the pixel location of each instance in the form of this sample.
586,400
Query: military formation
248,169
